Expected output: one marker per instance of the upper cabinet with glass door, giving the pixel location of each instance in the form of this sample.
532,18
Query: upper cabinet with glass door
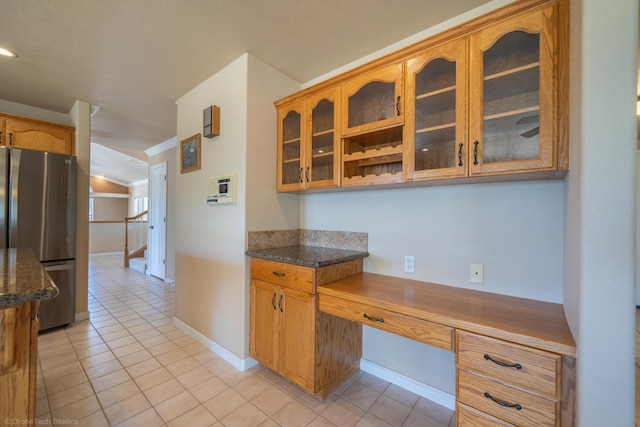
436,119
290,161
513,96
322,150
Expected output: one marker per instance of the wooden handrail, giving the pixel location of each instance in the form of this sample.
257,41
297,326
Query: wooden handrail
139,252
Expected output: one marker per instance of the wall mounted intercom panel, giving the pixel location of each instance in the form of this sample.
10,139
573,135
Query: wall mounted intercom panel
221,190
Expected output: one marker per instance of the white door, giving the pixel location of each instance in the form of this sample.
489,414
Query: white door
157,220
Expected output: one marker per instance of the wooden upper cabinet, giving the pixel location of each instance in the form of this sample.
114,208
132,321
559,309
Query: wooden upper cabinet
290,161
514,95
39,136
436,143
373,100
2,131
322,147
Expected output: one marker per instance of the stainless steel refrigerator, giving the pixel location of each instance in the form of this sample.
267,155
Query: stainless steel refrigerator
38,211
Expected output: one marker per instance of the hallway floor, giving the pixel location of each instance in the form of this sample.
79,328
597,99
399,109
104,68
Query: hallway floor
129,366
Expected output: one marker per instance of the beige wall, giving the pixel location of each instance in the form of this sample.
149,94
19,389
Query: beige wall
211,268
102,186
106,237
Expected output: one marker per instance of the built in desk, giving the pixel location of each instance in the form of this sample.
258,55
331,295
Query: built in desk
515,357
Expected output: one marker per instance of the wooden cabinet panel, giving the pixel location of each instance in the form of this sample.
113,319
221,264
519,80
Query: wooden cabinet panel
513,101
508,403
290,147
470,417
376,317
436,143
17,372
292,276
2,131
264,320
534,369
39,136
322,147
297,338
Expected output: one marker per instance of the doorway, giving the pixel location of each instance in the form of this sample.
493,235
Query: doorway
157,236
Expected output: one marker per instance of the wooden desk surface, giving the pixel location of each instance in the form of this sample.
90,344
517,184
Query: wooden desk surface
523,321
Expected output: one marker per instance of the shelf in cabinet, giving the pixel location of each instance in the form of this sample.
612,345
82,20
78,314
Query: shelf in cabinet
291,161
374,153
435,128
435,92
512,71
322,159
321,133
291,141
512,113
383,178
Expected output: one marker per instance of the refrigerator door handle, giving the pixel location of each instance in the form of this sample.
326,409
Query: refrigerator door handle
14,173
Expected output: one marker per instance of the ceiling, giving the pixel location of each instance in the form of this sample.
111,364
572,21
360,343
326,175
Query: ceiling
135,58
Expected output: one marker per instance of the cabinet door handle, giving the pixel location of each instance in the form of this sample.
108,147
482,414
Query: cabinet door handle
273,301
506,365
502,403
278,274
280,303
306,174
10,138
398,106
300,175
374,319
475,152
460,154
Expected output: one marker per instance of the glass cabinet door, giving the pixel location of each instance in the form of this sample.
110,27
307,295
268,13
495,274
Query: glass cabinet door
322,157
436,119
373,100
289,173
511,123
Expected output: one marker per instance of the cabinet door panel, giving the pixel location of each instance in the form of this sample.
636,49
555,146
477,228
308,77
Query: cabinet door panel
322,158
513,93
40,137
436,123
297,343
290,148
373,100
263,340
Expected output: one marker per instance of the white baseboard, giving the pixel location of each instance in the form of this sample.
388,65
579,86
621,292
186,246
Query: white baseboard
81,316
170,282
424,390
238,363
106,253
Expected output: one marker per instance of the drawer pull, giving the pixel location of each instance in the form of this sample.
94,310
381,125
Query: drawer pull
280,303
278,274
374,319
273,301
501,403
506,365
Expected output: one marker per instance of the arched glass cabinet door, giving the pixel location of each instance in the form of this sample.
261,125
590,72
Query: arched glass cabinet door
322,159
289,156
436,119
513,96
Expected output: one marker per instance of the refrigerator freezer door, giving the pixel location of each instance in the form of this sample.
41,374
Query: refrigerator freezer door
60,310
4,175
42,208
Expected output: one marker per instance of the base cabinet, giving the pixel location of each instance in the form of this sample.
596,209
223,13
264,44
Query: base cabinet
18,353
291,337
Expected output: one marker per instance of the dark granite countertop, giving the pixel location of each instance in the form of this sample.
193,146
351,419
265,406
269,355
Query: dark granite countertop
307,256
23,278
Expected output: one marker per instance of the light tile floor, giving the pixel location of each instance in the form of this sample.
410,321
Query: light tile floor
130,366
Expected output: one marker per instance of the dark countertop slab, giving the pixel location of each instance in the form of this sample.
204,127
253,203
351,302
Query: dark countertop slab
307,256
23,279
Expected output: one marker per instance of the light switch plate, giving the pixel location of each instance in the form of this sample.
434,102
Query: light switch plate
477,273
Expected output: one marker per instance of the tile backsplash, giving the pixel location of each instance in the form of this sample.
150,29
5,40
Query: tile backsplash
348,240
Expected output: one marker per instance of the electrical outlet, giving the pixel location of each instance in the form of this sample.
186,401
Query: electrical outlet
477,273
409,265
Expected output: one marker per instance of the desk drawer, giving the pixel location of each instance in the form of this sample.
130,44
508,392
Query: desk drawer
470,417
539,370
484,393
409,327
289,275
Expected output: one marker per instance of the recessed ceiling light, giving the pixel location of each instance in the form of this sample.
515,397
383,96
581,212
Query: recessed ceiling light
7,53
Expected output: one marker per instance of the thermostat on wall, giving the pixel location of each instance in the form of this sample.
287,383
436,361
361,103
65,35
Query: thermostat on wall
221,190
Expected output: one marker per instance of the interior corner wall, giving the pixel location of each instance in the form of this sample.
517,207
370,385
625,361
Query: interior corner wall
210,260
600,198
80,117
169,156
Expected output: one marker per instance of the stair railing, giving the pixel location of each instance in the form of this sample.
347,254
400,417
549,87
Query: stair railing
135,236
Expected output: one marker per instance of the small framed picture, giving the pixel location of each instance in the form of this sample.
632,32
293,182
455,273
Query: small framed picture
190,154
